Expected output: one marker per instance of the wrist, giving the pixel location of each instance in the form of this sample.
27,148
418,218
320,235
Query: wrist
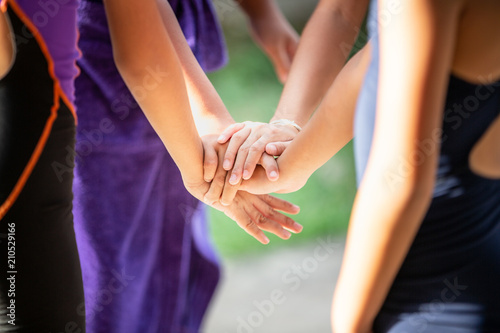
286,122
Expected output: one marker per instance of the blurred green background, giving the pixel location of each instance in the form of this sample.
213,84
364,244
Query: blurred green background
250,90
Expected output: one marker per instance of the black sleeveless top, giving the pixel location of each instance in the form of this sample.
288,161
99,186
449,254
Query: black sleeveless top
450,279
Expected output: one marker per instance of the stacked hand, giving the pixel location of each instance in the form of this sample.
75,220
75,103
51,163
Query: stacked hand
242,146
253,213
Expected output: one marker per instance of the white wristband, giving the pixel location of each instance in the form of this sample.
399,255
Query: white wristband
285,122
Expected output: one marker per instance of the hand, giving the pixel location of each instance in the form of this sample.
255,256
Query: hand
289,181
254,213
277,39
247,148
251,212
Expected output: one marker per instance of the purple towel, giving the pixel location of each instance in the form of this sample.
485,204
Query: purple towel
147,259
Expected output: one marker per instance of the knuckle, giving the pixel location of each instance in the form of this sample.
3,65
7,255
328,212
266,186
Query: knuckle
261,219
288,221
271,213
244,149
266,198
219,180
239,136
255,148
210,162
250,224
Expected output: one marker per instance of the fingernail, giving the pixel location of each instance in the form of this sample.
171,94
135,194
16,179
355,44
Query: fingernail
273,175
297,227
246,174
266,240
221,138
286,234
233,180
226,165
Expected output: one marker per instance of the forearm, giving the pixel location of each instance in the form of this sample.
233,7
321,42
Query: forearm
259,9
149,65
323,50
383,225
210,113
330,128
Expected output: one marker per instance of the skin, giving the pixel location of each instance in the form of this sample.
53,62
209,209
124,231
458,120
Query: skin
140,42
327,38
6,45
272,32
279,41
414,80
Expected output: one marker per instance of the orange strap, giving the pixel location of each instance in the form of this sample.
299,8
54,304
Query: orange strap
58,93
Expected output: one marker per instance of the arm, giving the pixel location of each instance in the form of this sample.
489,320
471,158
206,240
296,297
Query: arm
148,63
142,46
210,113
327,132
387,213
327,38
272,32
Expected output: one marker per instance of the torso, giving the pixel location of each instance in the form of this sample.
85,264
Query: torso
459,236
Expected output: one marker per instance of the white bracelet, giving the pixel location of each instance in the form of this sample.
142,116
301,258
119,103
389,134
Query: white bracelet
285,122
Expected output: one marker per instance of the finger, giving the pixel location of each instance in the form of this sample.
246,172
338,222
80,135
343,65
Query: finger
277,148
210,162
237,172
280,204
216,186
247,223
229,132
274,221
267,219
233,147
284,221
271,166
254,155
229,192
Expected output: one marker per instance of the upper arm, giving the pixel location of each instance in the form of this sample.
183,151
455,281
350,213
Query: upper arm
352,11
416,53
6,45
137,34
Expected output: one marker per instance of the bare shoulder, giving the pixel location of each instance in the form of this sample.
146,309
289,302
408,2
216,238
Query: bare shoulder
477,53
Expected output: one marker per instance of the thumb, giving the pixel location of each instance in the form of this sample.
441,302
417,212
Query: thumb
276,148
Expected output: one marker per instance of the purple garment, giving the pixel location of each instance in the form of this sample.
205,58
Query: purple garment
56,22
147,260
